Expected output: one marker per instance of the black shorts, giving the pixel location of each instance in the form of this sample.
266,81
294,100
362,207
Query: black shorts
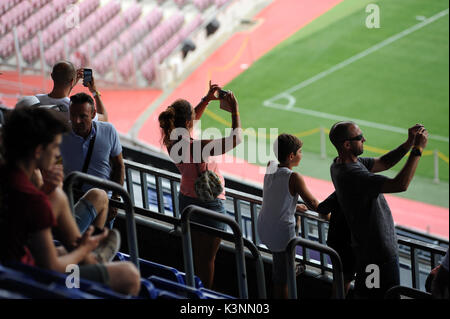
347,258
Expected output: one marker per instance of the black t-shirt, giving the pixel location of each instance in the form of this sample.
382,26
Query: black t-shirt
366,210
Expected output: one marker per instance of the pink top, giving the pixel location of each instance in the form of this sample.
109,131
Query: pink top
189,173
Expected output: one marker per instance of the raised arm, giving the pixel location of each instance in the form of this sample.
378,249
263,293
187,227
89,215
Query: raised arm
389,160
222,145
101,110
401,182
200,108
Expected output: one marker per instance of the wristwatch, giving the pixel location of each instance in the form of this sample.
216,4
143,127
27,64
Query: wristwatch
416,152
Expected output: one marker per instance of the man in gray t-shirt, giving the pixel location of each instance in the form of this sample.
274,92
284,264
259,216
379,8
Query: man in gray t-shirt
360,194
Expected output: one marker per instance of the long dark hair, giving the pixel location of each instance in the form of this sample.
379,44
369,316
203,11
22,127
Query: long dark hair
28,127
177,115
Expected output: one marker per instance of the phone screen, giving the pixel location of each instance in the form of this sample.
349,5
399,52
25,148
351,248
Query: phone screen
87,76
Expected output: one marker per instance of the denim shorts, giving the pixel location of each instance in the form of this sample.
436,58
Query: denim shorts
85,214
216,205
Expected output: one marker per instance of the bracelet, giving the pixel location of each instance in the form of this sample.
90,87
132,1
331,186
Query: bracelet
96,93
237,113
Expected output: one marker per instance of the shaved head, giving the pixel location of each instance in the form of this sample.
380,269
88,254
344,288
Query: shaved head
339,132
63,73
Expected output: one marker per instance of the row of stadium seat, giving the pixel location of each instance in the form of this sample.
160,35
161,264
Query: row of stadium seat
202,5
17,14
110,30
85,30
128,39
104,34
150,44
28,17
56,30
20,281
148,68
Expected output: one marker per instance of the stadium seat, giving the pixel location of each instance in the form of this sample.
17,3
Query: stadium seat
176,288
202,5
149,291
48,277
25,285
149,268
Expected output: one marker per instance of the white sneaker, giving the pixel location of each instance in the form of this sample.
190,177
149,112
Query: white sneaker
108,247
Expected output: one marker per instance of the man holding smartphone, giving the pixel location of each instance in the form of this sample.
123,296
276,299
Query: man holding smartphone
360,192
65,77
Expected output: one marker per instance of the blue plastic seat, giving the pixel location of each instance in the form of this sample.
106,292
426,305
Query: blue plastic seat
23,284
149,291
211,294
49,277
176,288
150,268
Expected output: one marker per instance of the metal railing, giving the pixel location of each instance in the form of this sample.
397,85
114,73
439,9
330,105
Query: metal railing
338,276
75,177
245,207
415,246
187,245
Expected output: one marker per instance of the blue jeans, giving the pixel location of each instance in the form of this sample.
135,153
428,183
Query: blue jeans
85,214
215,205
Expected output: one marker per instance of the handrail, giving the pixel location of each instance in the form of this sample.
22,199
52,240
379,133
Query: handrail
338,276
308,219
176,222
414,246
396,291
73,177
187,245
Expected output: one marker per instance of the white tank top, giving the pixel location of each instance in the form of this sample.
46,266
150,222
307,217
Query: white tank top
276,220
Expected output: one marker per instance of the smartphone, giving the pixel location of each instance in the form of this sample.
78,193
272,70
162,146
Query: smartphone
87,76
224,105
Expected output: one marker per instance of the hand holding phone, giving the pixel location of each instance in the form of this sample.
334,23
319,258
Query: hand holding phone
224,104
87,76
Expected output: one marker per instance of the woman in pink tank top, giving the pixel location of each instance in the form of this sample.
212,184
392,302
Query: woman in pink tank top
192,157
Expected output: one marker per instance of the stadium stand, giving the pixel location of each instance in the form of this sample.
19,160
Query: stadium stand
97,33
110,31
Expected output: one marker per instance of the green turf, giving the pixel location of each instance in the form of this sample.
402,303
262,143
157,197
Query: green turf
403,83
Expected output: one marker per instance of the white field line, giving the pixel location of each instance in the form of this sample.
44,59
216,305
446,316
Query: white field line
357,121
287,94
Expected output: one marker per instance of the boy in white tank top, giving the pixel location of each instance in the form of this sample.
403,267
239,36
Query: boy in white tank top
276,220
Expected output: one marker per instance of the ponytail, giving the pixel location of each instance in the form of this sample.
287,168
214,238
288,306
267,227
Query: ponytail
175,116
167,123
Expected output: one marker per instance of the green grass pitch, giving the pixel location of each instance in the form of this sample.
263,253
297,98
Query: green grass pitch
389,86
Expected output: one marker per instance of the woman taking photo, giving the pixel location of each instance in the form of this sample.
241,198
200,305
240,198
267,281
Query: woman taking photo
192,157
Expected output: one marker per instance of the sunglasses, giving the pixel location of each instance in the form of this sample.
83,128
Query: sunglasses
355,138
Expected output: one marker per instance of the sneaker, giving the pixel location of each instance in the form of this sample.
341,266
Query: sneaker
108,247
299,268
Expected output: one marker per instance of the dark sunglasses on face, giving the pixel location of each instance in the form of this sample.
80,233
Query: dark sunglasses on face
355,138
